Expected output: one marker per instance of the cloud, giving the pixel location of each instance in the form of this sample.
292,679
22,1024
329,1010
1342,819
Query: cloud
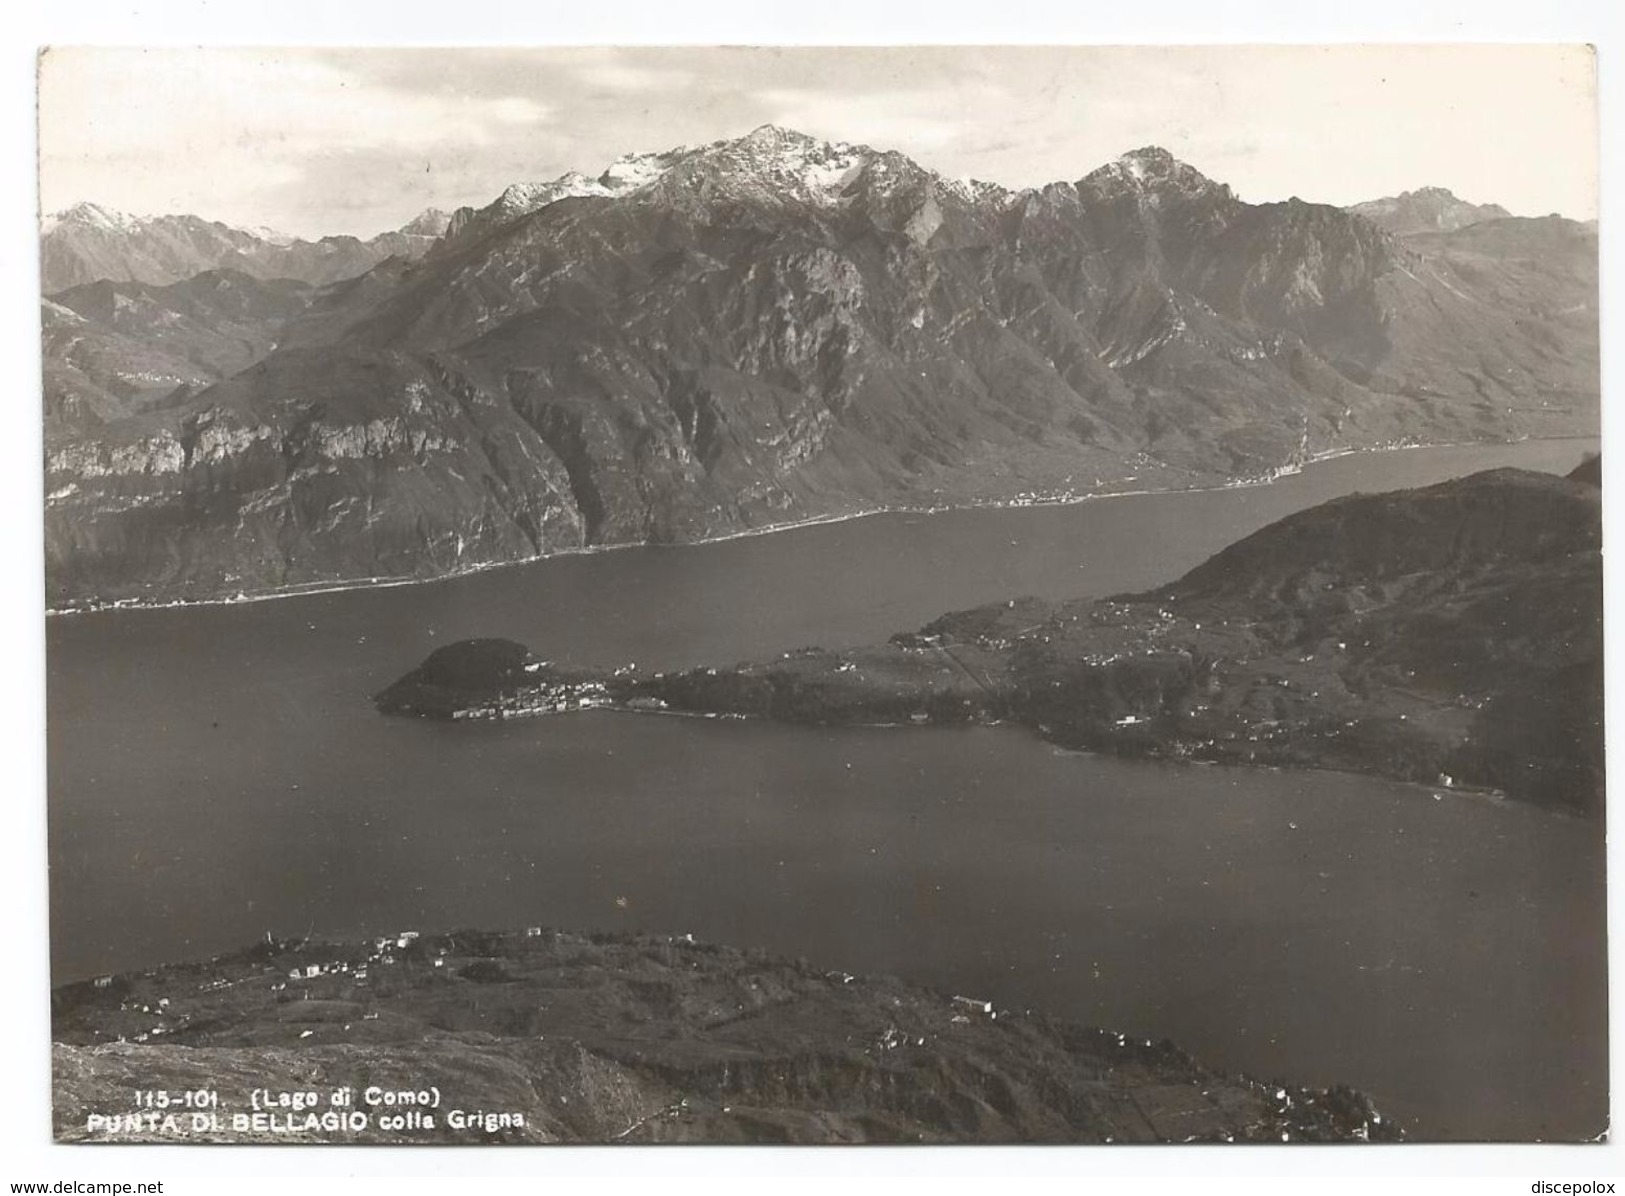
631,71
202,130
278,137
887,120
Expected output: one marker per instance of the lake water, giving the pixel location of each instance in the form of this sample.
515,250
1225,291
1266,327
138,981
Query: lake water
219,772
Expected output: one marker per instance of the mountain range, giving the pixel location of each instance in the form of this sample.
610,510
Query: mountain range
89,243
765,330
1426,210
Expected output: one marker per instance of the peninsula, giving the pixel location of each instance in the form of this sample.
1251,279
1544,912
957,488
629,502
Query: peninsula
1449,635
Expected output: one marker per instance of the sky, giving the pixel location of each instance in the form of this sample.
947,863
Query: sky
314,140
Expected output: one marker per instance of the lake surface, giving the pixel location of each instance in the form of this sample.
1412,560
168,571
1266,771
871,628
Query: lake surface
219,772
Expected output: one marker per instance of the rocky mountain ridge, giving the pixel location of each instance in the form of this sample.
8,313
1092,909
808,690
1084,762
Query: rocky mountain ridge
770,165
766,330
1427,209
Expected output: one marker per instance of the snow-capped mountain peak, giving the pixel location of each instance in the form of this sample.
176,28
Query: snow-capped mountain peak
632,172
770,164
92,215
1150,169
521,198
100,218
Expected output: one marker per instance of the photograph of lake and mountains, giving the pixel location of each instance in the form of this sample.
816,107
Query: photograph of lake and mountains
824,595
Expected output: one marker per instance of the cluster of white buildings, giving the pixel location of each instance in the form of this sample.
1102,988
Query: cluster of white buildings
383,952
548,697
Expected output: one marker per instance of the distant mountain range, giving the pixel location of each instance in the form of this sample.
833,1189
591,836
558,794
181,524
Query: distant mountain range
765,330
1426,210
88,243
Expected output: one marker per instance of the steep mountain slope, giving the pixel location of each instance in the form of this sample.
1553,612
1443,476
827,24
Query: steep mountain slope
769,329
88,244
470,224
113,349
1450,635
1518,325
1427,209
95,375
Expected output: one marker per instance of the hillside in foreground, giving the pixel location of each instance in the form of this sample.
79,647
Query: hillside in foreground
543,1036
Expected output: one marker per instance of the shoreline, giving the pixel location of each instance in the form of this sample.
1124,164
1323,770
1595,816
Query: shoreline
344,585
1422,789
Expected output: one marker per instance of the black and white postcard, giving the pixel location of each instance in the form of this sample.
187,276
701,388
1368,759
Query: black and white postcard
823,595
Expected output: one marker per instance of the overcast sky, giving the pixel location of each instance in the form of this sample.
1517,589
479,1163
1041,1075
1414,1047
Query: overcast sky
314,141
